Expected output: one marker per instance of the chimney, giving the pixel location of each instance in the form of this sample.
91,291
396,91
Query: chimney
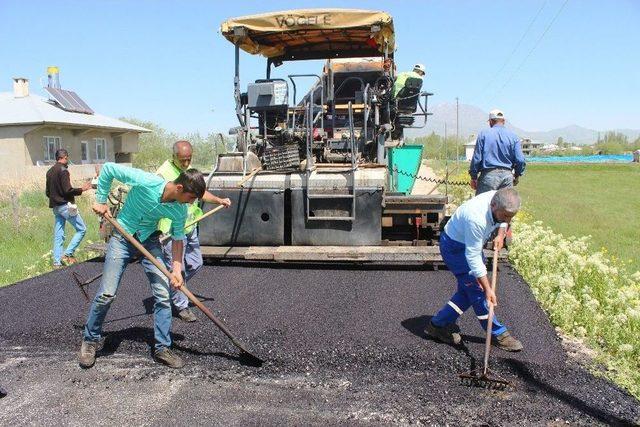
54,77
20,87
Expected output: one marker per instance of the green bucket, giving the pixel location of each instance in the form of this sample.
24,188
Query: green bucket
405,159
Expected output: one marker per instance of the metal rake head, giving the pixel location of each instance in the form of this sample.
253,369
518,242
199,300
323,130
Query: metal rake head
488,380
81,284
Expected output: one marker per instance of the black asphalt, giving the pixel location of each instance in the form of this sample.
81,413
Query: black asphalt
342,344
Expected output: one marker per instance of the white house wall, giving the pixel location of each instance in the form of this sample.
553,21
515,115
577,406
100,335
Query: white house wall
22,148
69,140
12,151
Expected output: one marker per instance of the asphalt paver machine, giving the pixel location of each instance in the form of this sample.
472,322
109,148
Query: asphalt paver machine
322,174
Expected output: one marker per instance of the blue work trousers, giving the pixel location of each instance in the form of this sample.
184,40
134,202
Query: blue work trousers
191,264
61,216
119,253
469,293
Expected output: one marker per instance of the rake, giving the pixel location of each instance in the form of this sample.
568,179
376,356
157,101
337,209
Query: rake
486,378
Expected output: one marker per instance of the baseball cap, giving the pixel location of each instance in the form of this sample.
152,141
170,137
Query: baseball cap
496,114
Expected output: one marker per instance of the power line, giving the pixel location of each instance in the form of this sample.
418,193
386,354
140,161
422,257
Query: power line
496,74
546,30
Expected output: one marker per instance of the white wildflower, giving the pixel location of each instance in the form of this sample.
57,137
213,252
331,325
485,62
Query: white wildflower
625,348
621,319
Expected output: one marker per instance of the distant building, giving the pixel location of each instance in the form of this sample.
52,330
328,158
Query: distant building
469,147
32,128
528,146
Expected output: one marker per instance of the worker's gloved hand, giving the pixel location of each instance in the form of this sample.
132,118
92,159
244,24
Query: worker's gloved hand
225,202
474,184
101,209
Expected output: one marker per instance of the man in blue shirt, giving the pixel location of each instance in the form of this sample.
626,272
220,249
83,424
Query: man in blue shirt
461,246
498,161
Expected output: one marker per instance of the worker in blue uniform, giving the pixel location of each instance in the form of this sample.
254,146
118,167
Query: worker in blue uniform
461,246
498,160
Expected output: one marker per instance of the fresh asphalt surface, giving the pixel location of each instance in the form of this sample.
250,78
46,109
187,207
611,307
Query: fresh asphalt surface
342,344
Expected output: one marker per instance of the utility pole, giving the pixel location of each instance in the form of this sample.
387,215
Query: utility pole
446,161
457,135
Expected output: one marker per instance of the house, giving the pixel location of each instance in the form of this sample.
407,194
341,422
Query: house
469,147
33,127
529,146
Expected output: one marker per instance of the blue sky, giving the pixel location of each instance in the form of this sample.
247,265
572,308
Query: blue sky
165,61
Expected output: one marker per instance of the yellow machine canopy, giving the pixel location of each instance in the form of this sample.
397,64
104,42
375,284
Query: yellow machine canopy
313,34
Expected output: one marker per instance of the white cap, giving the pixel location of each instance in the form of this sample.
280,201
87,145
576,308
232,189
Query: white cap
496,114
420,67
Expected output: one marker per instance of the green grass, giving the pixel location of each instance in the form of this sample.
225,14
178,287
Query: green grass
580,200
26,244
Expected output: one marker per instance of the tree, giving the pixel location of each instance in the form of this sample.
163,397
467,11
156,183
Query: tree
613,143
155,147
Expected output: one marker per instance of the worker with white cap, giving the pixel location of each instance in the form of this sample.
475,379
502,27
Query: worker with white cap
418,72
498,160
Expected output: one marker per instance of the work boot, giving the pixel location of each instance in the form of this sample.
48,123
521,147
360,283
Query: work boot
444,334
69,260
87,354
506,342
186,315
169,358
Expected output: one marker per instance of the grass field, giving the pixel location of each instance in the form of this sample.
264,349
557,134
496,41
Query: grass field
579,200
26,240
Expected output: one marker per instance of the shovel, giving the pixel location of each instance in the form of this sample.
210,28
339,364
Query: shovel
486,378
244,353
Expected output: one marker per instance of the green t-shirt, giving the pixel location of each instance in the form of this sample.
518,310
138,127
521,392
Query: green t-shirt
144,206
169,172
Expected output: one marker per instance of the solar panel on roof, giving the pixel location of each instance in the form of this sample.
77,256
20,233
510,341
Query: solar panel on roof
81,102
69,100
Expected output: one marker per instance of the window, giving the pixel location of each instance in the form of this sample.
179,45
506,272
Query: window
51,144
84,151
101,149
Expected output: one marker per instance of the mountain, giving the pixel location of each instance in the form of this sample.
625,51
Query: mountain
472,119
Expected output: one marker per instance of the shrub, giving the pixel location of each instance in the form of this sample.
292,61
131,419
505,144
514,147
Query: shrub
587,295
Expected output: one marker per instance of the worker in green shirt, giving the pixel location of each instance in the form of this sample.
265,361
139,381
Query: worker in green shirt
192,256
418,72
150,199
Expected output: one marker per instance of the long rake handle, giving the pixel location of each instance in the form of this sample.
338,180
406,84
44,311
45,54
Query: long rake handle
195,221
184,289
253,173
494,283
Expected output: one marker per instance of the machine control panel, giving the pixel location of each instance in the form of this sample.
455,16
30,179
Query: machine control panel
268,95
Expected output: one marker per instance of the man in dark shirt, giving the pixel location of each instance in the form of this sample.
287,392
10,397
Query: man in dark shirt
62,200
